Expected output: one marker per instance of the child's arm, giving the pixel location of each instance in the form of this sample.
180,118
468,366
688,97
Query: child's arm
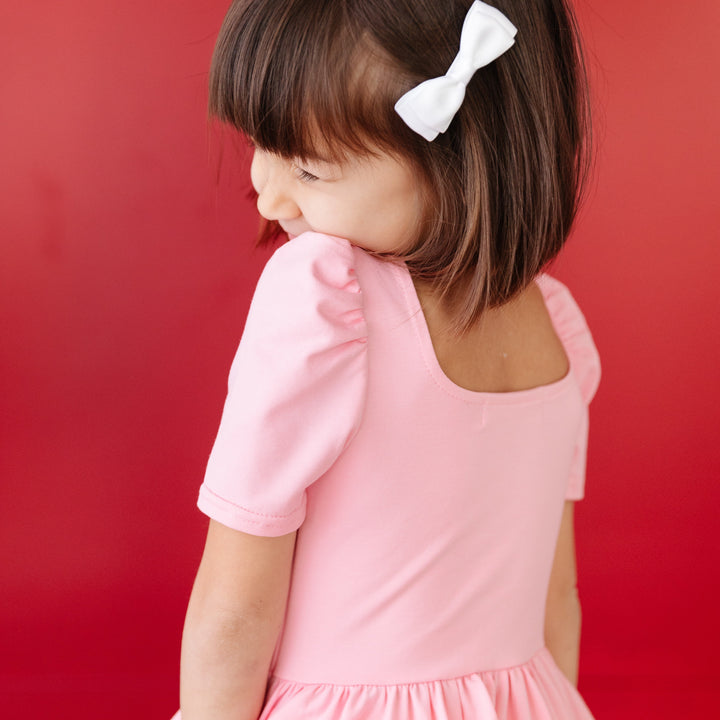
562,614
233,620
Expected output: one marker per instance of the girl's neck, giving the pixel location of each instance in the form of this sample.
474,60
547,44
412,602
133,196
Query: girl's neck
440,313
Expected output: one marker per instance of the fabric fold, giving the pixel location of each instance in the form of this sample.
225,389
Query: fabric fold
574,332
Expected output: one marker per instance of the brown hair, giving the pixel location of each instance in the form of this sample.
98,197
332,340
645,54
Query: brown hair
501,187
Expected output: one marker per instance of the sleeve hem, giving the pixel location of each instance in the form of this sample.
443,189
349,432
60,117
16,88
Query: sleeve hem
575,489
247,521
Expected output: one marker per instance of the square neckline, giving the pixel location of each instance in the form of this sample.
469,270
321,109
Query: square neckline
422,331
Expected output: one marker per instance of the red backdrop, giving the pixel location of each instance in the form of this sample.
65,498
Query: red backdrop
125,277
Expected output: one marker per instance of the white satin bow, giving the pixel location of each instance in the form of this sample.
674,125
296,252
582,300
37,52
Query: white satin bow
429,108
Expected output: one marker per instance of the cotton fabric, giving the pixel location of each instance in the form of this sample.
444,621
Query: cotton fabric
427,514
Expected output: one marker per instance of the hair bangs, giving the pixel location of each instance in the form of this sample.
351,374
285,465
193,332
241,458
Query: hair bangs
303,80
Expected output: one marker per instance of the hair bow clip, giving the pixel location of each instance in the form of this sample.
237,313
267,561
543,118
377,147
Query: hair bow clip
430,107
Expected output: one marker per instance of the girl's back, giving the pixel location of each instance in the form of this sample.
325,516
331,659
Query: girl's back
428,532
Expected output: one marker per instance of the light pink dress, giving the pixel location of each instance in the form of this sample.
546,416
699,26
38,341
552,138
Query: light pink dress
427,514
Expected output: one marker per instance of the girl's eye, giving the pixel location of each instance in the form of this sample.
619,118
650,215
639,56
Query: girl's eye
305,176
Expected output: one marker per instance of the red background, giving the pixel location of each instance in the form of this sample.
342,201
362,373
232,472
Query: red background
125,276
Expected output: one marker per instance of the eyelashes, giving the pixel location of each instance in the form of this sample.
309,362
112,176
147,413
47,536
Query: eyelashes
304,175
300,173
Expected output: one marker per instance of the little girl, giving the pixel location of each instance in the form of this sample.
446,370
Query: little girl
391,489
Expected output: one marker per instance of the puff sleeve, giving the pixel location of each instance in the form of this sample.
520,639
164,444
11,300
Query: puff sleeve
296,388
573,330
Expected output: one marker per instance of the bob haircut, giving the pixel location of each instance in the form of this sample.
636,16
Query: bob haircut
319,79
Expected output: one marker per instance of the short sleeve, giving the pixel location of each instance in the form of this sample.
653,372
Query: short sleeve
296,388
574,333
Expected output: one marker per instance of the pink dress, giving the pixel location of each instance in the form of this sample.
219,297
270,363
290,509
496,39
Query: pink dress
427,514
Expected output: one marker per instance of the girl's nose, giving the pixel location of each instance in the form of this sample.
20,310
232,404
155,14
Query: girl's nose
274,202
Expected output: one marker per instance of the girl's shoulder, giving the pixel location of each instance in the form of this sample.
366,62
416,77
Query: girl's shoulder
296,388
574,332
312,259
312,273
329,278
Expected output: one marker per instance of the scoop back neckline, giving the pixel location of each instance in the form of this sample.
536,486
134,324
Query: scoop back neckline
512,397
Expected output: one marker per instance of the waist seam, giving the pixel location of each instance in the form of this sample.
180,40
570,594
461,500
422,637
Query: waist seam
509,668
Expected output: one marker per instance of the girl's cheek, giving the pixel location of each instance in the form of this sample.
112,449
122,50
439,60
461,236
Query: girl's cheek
323,215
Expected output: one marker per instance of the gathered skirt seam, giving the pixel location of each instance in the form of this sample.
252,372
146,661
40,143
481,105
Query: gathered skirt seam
476,673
